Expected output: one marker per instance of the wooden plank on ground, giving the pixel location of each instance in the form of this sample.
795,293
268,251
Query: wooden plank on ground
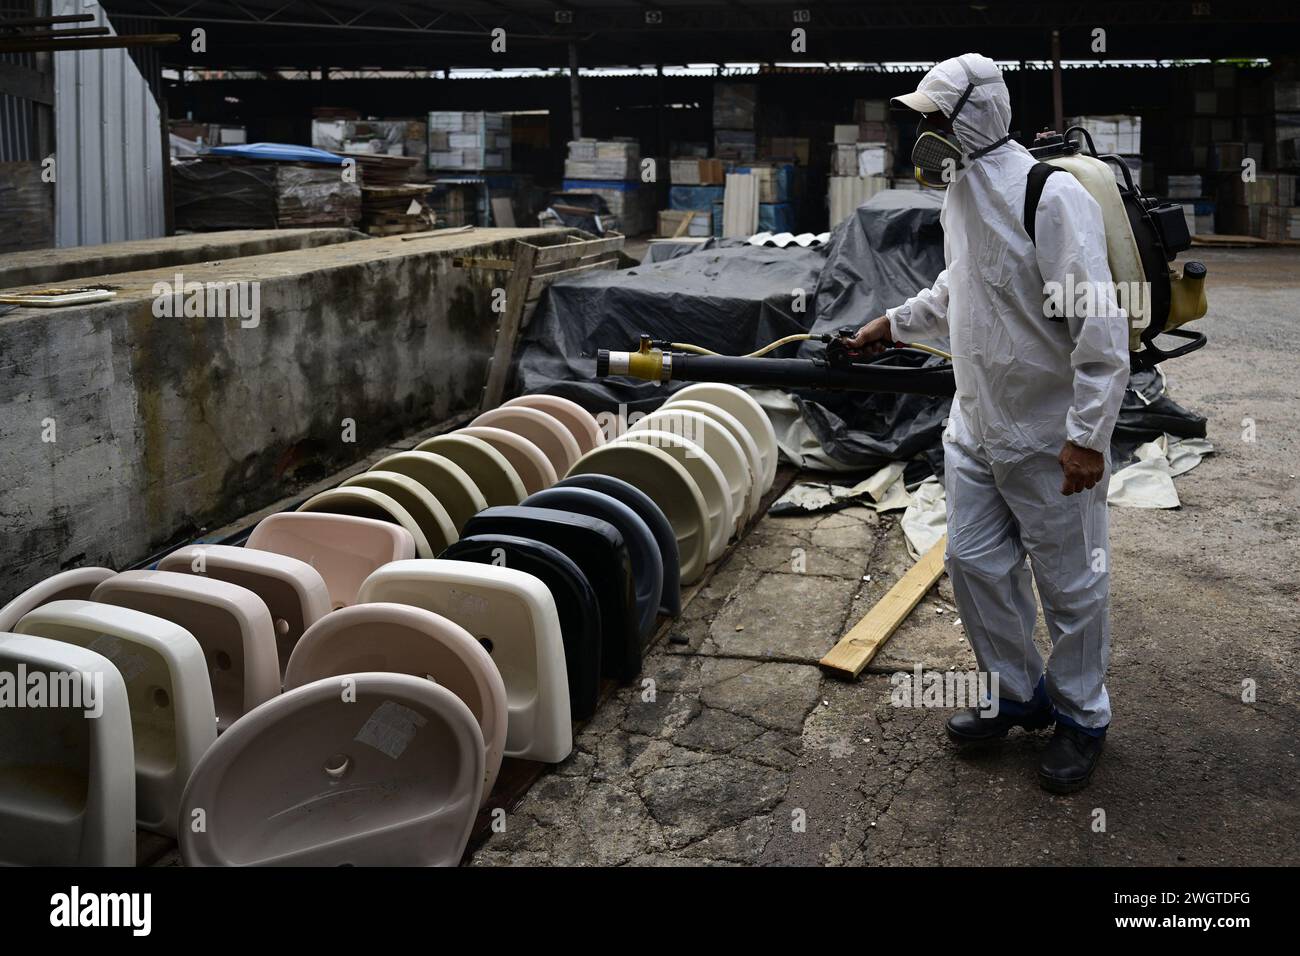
856,648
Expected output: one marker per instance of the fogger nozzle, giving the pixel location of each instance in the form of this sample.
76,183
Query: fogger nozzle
653,365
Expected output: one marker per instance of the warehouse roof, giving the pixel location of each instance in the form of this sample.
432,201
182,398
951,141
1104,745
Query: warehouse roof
448,33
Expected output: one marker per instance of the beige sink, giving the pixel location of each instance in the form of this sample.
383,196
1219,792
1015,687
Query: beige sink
293,591
343,548
409,640
231,624
367,769
534,468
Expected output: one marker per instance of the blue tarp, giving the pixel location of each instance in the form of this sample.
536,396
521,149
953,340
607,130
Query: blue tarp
278,153
699,198
782,179
622,185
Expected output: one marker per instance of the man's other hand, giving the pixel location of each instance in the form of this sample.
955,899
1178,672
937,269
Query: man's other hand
872,338
1083,468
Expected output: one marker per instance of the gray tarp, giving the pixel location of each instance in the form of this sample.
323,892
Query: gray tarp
734,298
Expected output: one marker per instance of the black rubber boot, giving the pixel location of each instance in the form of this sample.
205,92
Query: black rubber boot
1069,760
970,727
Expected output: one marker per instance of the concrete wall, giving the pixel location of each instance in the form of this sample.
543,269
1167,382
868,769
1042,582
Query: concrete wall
163,426
40,266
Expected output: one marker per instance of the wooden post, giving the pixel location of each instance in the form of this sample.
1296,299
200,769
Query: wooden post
575,96
511,321
1058,109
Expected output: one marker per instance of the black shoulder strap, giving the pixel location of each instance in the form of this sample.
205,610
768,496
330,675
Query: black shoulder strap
1038,174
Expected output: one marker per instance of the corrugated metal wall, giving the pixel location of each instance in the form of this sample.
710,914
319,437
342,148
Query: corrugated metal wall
17,125
109,185
17,130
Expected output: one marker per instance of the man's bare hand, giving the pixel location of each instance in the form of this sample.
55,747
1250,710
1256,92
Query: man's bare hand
873,337
1083,468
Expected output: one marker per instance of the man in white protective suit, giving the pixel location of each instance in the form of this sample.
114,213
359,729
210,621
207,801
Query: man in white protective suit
1026,450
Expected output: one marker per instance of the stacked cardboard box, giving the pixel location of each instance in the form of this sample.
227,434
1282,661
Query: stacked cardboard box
735,145
735,105
611,169
865,147
670,221
700,200
1279,223
735,109
861,159
696,172
632,203
618,158
1183,186
792,148
216,193
1120,135
469,141
1263,207
395,137
208,134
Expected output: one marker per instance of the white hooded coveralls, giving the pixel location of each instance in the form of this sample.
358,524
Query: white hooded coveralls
1025,385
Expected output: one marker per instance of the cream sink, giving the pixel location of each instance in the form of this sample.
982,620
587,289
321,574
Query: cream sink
580,422
750,414
707,475
545,431
534,468
669,485
490,470
513,615
173,722
75,585
67,781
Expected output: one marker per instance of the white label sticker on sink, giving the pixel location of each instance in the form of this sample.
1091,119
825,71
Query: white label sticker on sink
390,728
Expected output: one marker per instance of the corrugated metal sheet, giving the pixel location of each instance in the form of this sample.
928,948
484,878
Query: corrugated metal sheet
740,206
847,193
17,143
109,185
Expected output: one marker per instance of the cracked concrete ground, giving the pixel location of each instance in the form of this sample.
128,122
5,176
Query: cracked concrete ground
734,749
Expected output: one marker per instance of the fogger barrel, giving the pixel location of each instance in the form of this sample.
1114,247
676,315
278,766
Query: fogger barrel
654,365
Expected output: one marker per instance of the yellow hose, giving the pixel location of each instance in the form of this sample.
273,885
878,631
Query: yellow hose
925,348
700,350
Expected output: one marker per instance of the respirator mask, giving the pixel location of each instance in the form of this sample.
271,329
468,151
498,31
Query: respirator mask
937,154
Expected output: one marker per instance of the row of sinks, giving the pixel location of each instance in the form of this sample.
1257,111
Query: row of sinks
343,688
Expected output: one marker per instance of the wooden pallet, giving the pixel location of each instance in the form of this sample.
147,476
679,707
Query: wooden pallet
531,270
